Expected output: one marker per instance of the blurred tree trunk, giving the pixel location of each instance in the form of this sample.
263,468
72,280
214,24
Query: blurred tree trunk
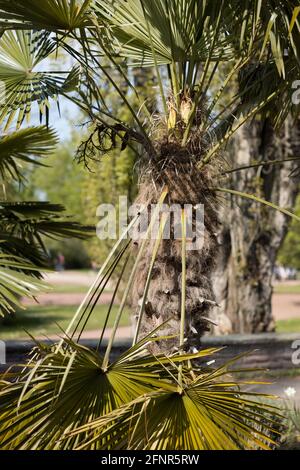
251,233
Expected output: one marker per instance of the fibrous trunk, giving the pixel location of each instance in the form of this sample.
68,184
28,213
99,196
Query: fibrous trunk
174,168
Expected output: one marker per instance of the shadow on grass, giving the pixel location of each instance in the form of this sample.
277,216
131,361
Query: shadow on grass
33,318
43,320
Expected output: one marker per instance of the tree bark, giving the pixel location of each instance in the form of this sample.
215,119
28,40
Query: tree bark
186,184
251,233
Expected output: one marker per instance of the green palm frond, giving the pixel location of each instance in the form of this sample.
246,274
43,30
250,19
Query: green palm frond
278,28
25,146
63,397
53,15
76,386
32,209
25,225
14,283
21,53
31,220
23,255
33,256
197,43
166,32
259,80
213,416
183,30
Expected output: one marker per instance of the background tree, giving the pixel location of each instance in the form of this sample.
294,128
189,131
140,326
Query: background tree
61,180
251,235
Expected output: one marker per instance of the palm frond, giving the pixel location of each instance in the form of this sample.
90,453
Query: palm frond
75,380
15,284
24,227
21,52
31,220
24,146
53,15
22,251
208,417
64,399
165,32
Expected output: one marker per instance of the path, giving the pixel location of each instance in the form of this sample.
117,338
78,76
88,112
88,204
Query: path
286,306
82,278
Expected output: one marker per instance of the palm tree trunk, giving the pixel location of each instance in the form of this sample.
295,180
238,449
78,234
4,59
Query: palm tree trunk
186,185
251,235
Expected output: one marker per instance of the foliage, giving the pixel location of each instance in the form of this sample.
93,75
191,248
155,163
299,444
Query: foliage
49,14
15,283
104,184
62,180
24,146
82,191
291,437
134,403
22,227
20,53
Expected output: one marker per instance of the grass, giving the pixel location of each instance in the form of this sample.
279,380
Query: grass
69,289
44,320
287,289
291,325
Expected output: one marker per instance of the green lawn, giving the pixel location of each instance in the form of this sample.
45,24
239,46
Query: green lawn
288,326
287,289
43,320
69,289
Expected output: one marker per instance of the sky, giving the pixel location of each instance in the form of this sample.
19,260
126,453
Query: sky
66,120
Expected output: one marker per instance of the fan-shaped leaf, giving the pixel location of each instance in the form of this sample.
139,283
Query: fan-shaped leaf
24,146
51,15
22,84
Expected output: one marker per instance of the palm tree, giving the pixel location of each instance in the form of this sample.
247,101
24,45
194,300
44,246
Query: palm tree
179,150
217,65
